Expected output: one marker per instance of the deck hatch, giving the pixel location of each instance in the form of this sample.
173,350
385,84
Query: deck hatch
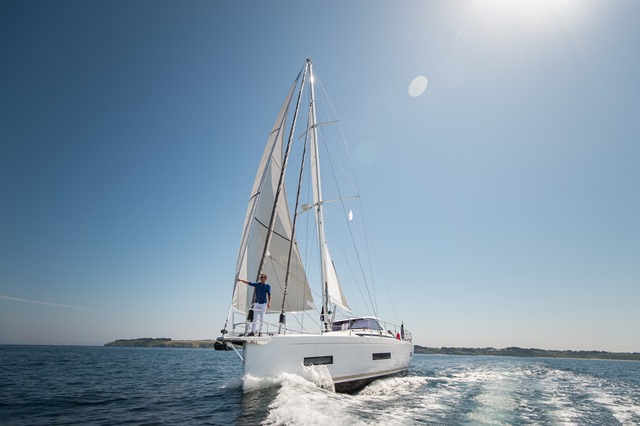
382,355
318,360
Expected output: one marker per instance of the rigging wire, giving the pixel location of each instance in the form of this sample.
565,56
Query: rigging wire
349,175
368,283
353,240
371,254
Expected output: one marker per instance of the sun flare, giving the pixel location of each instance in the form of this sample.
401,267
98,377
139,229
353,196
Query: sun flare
531,14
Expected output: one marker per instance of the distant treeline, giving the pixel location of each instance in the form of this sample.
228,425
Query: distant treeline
161,342
532,352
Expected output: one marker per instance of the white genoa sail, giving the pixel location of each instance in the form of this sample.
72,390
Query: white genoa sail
254,234
334,290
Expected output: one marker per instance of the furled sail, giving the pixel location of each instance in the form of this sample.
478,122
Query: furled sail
255,231
334,290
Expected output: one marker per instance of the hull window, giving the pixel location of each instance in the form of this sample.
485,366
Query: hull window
382,355
318,360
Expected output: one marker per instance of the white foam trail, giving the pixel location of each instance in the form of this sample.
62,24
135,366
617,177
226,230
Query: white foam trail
251,383
320,376
301,402
496,402
492,392
396,386
595,394
317,375
305,401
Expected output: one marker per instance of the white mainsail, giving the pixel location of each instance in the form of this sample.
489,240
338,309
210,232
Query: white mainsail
255,231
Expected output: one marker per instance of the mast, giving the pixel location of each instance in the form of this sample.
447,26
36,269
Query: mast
292,241
317,192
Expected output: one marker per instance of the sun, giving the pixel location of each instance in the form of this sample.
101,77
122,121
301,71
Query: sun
531,15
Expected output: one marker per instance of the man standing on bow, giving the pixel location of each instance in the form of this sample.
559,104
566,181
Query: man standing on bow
262,302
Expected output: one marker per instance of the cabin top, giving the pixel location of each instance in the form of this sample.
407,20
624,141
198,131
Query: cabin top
362,323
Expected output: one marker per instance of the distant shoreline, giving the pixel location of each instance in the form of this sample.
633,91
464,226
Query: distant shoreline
531,353
165,342
162,342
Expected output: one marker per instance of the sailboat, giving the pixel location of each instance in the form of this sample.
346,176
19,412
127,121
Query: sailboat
348,351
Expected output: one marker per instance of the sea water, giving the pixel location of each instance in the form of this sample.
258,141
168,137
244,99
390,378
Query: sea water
43,385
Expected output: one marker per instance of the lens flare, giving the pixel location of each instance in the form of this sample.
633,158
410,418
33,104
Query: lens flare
418,86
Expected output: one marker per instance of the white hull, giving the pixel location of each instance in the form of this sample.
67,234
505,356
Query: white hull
351,360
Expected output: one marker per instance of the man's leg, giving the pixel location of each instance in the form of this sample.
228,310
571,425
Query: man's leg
261,309
254,310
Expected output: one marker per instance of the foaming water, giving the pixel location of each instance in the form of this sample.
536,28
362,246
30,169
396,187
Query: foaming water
483,391
81,385
316,375
302,402
526,391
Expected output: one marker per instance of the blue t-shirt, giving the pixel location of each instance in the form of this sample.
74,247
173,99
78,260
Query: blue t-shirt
261,291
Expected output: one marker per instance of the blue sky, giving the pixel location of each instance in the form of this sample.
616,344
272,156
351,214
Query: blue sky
503,200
